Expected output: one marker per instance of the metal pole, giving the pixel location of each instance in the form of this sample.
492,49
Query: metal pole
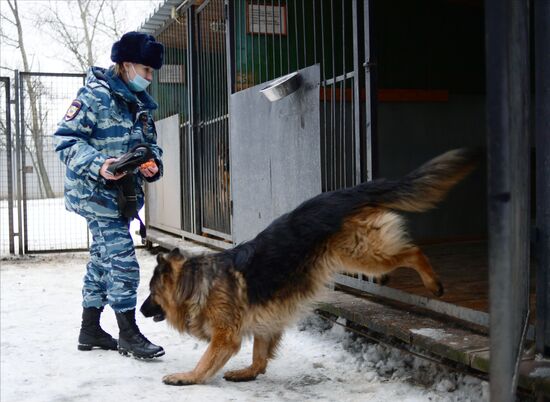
542,138
507,71
194,129
18,166
231,69
356,95
9,166
370,92
23,175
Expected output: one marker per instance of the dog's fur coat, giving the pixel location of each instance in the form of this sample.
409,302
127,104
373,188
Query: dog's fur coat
258,287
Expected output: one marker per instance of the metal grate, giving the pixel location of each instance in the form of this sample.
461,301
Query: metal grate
44,99
172,90
213,119
274,38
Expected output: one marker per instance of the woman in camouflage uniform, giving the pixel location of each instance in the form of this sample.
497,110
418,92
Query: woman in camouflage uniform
111,114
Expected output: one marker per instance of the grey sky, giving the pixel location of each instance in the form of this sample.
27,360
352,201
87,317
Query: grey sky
45,54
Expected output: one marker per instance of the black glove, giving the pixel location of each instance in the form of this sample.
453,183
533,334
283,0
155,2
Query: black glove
131,160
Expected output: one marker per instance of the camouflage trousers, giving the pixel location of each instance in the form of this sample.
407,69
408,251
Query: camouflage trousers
112,274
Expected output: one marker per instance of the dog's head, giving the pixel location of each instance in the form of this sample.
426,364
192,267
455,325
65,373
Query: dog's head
165,285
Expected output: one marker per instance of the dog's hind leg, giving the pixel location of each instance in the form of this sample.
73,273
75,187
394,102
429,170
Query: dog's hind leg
414,258
264,349
223,345
411,257
374,243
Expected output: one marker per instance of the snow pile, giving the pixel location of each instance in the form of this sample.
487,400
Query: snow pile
382,363
40,318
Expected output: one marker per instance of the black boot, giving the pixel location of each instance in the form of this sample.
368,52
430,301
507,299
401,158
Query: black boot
131,340
91,334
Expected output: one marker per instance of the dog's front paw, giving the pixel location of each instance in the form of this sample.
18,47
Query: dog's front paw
179,379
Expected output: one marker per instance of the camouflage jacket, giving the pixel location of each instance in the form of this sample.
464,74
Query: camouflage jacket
104,121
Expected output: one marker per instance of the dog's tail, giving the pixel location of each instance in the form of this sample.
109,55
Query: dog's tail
424,187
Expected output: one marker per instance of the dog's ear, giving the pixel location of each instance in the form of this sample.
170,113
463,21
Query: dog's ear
163,264
160,258
189,283
176,253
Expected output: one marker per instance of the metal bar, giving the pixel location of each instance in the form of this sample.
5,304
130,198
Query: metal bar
157,237
230,67
304,40
23,164
38,74
466,314
297,52
507,70
281,19
195,99
220,53
542,135
215,131
215,120
273,38
217,233
265,44
252,40
333,101
246,40
343,167
231,60
9,164
370,92
314,12
324,178
185,3
356,94
202,6
18,163
287,39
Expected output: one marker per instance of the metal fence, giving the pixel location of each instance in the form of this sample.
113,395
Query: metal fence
213,118
7,228
172,90
31,183
193,84
271,39
43,100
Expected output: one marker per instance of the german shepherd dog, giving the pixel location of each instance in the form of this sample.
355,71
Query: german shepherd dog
259,287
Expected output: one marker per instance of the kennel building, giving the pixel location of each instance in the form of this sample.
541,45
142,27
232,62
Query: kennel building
376,89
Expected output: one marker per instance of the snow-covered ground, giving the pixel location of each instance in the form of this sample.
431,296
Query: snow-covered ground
39,323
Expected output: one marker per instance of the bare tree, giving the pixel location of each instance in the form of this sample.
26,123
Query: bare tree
35,126
82,27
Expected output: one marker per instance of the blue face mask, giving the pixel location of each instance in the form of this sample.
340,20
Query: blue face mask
138,84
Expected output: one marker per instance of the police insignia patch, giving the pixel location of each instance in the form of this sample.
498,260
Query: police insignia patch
73,110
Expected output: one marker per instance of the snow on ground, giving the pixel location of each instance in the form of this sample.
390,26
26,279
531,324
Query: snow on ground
40,319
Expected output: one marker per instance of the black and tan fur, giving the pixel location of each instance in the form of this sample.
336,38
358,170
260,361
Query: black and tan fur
259,287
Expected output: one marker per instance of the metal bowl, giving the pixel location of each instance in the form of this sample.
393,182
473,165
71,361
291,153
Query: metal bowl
281,87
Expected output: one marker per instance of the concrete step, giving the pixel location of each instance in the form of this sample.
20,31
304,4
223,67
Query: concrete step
436,336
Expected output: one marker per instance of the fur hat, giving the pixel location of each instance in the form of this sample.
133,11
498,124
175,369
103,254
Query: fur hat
138,47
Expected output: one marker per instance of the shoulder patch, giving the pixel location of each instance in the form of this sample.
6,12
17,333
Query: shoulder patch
73,110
